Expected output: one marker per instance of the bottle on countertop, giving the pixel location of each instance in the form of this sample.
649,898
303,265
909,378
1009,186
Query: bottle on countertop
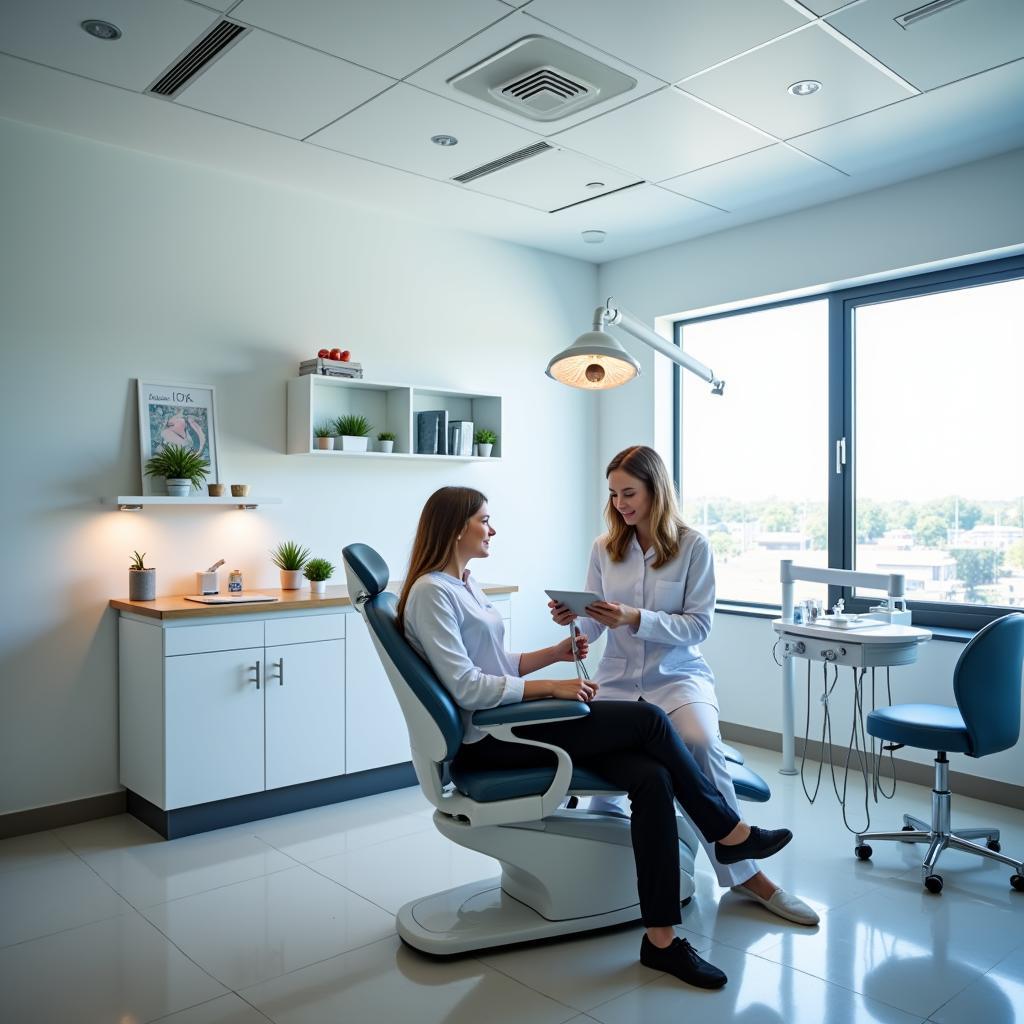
235,581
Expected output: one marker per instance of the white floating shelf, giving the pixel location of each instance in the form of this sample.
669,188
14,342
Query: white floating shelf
132,502
403,455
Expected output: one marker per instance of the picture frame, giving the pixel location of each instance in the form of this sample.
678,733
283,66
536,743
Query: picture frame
180,414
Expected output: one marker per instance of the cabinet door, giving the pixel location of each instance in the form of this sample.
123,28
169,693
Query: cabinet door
305,712
214,726
375,733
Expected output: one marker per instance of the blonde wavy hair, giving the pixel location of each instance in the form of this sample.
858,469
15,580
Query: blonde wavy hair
667,526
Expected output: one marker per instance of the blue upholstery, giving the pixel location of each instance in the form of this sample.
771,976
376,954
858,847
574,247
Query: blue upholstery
371,569
530,712
987,687
731,753
748,785
931,726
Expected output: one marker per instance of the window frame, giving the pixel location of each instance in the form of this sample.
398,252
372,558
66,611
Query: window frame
842,305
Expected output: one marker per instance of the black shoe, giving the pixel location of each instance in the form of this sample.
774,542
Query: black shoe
761,843
681,960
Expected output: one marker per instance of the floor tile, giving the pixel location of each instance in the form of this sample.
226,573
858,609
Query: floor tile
995,996
116,832
117,970
758,992
387,983
255,930
59,894
155,872
229,1009
392,873
32,851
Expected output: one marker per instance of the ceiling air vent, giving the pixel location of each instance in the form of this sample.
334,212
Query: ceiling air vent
541,79
911,18
216,42
506,161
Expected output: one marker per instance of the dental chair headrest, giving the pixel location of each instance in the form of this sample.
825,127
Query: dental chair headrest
371,569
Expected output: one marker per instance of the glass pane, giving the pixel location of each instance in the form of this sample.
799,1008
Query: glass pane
754,462
939,487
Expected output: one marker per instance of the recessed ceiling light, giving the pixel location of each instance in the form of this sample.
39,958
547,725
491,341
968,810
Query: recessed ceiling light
807,87
593,236
444,140
595,184
101,29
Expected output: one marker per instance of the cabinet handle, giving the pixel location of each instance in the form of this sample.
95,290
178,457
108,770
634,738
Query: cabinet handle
280,672
257,679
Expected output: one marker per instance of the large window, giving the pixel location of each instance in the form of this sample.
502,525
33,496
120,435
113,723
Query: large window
879,428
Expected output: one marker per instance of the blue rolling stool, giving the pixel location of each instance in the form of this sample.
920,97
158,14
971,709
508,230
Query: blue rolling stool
987,688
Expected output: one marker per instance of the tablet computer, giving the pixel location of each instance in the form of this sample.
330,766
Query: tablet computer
575,600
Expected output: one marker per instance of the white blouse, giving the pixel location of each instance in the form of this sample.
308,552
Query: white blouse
661,660
452,625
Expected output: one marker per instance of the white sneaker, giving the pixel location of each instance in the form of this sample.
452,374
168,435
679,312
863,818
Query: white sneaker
784,905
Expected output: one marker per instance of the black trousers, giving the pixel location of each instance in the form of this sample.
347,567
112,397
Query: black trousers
631,744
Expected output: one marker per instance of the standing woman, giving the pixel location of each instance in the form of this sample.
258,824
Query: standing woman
449,622
657,580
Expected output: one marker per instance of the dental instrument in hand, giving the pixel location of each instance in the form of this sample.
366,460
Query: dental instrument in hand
581,669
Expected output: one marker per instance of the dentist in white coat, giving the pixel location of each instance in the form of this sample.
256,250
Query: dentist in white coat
657,580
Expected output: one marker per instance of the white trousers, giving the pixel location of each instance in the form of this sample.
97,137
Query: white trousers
697,725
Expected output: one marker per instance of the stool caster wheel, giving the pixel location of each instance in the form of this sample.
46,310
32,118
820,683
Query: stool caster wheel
1017,881
994,845
863,852
933,883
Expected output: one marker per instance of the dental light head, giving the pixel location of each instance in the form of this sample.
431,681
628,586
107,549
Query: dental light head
595,361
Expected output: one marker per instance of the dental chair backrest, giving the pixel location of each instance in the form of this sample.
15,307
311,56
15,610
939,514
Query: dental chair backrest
431,716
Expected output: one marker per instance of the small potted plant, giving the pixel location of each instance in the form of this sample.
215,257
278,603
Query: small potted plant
324,434
291,559
141,581
318,571
181,467
484,440
386,442
354,432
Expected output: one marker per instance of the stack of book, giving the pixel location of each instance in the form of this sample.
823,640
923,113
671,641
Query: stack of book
460,437
432,432
330,368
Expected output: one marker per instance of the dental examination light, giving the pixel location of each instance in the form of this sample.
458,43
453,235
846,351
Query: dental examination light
596,361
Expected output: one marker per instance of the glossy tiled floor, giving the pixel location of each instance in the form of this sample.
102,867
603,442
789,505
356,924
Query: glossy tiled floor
292,920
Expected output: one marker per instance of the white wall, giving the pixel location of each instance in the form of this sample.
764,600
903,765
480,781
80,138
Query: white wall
120,265
975,208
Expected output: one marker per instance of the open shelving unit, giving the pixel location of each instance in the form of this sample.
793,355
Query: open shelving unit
315,399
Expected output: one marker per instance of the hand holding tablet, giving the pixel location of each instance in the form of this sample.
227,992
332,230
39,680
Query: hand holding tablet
575,600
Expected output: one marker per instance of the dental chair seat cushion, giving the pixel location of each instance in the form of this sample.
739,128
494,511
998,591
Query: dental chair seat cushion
748,785
929,726
486,786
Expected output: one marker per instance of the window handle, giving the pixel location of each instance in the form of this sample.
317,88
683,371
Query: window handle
840,454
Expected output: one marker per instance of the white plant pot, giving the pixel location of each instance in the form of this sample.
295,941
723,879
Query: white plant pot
387,447
291,579
325,444
484,449
318,586
178,488
354,444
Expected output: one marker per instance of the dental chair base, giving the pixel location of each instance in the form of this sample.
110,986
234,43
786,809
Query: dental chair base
547,885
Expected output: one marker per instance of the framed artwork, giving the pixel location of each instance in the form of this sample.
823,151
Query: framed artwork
182,414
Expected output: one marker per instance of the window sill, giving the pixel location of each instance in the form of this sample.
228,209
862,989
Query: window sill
943,633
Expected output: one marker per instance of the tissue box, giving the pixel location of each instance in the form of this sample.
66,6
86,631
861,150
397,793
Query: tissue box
207,583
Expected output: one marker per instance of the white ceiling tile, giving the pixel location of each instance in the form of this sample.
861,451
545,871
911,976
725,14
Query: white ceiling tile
276,84
218,5
967,120
154,34
755,179
395,129
668,38
959,41
551,180
392,36
434,77
663,135
821,7
755,86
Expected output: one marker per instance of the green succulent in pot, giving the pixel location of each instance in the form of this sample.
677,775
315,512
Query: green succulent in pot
181,467
354,432
291,558
318,571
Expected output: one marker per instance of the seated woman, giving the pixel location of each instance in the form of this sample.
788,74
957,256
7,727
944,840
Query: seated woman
632,744
656,578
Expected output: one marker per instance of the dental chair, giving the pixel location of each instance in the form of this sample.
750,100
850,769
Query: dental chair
562,870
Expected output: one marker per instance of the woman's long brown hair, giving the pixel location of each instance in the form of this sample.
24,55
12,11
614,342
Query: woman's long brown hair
667,526
443,518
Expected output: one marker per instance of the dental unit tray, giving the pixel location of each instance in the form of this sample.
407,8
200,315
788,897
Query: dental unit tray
842,622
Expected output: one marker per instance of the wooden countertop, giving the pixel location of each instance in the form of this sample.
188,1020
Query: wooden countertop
176,607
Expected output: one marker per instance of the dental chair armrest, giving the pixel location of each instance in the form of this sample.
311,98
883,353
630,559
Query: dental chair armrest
532,712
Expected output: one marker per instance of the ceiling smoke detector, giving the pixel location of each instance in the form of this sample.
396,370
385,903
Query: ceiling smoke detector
541,79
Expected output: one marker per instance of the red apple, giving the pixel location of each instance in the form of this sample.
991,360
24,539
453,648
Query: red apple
345,356
324,353
336,353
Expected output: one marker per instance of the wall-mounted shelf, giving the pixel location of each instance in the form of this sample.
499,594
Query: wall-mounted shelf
135,502
317,399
